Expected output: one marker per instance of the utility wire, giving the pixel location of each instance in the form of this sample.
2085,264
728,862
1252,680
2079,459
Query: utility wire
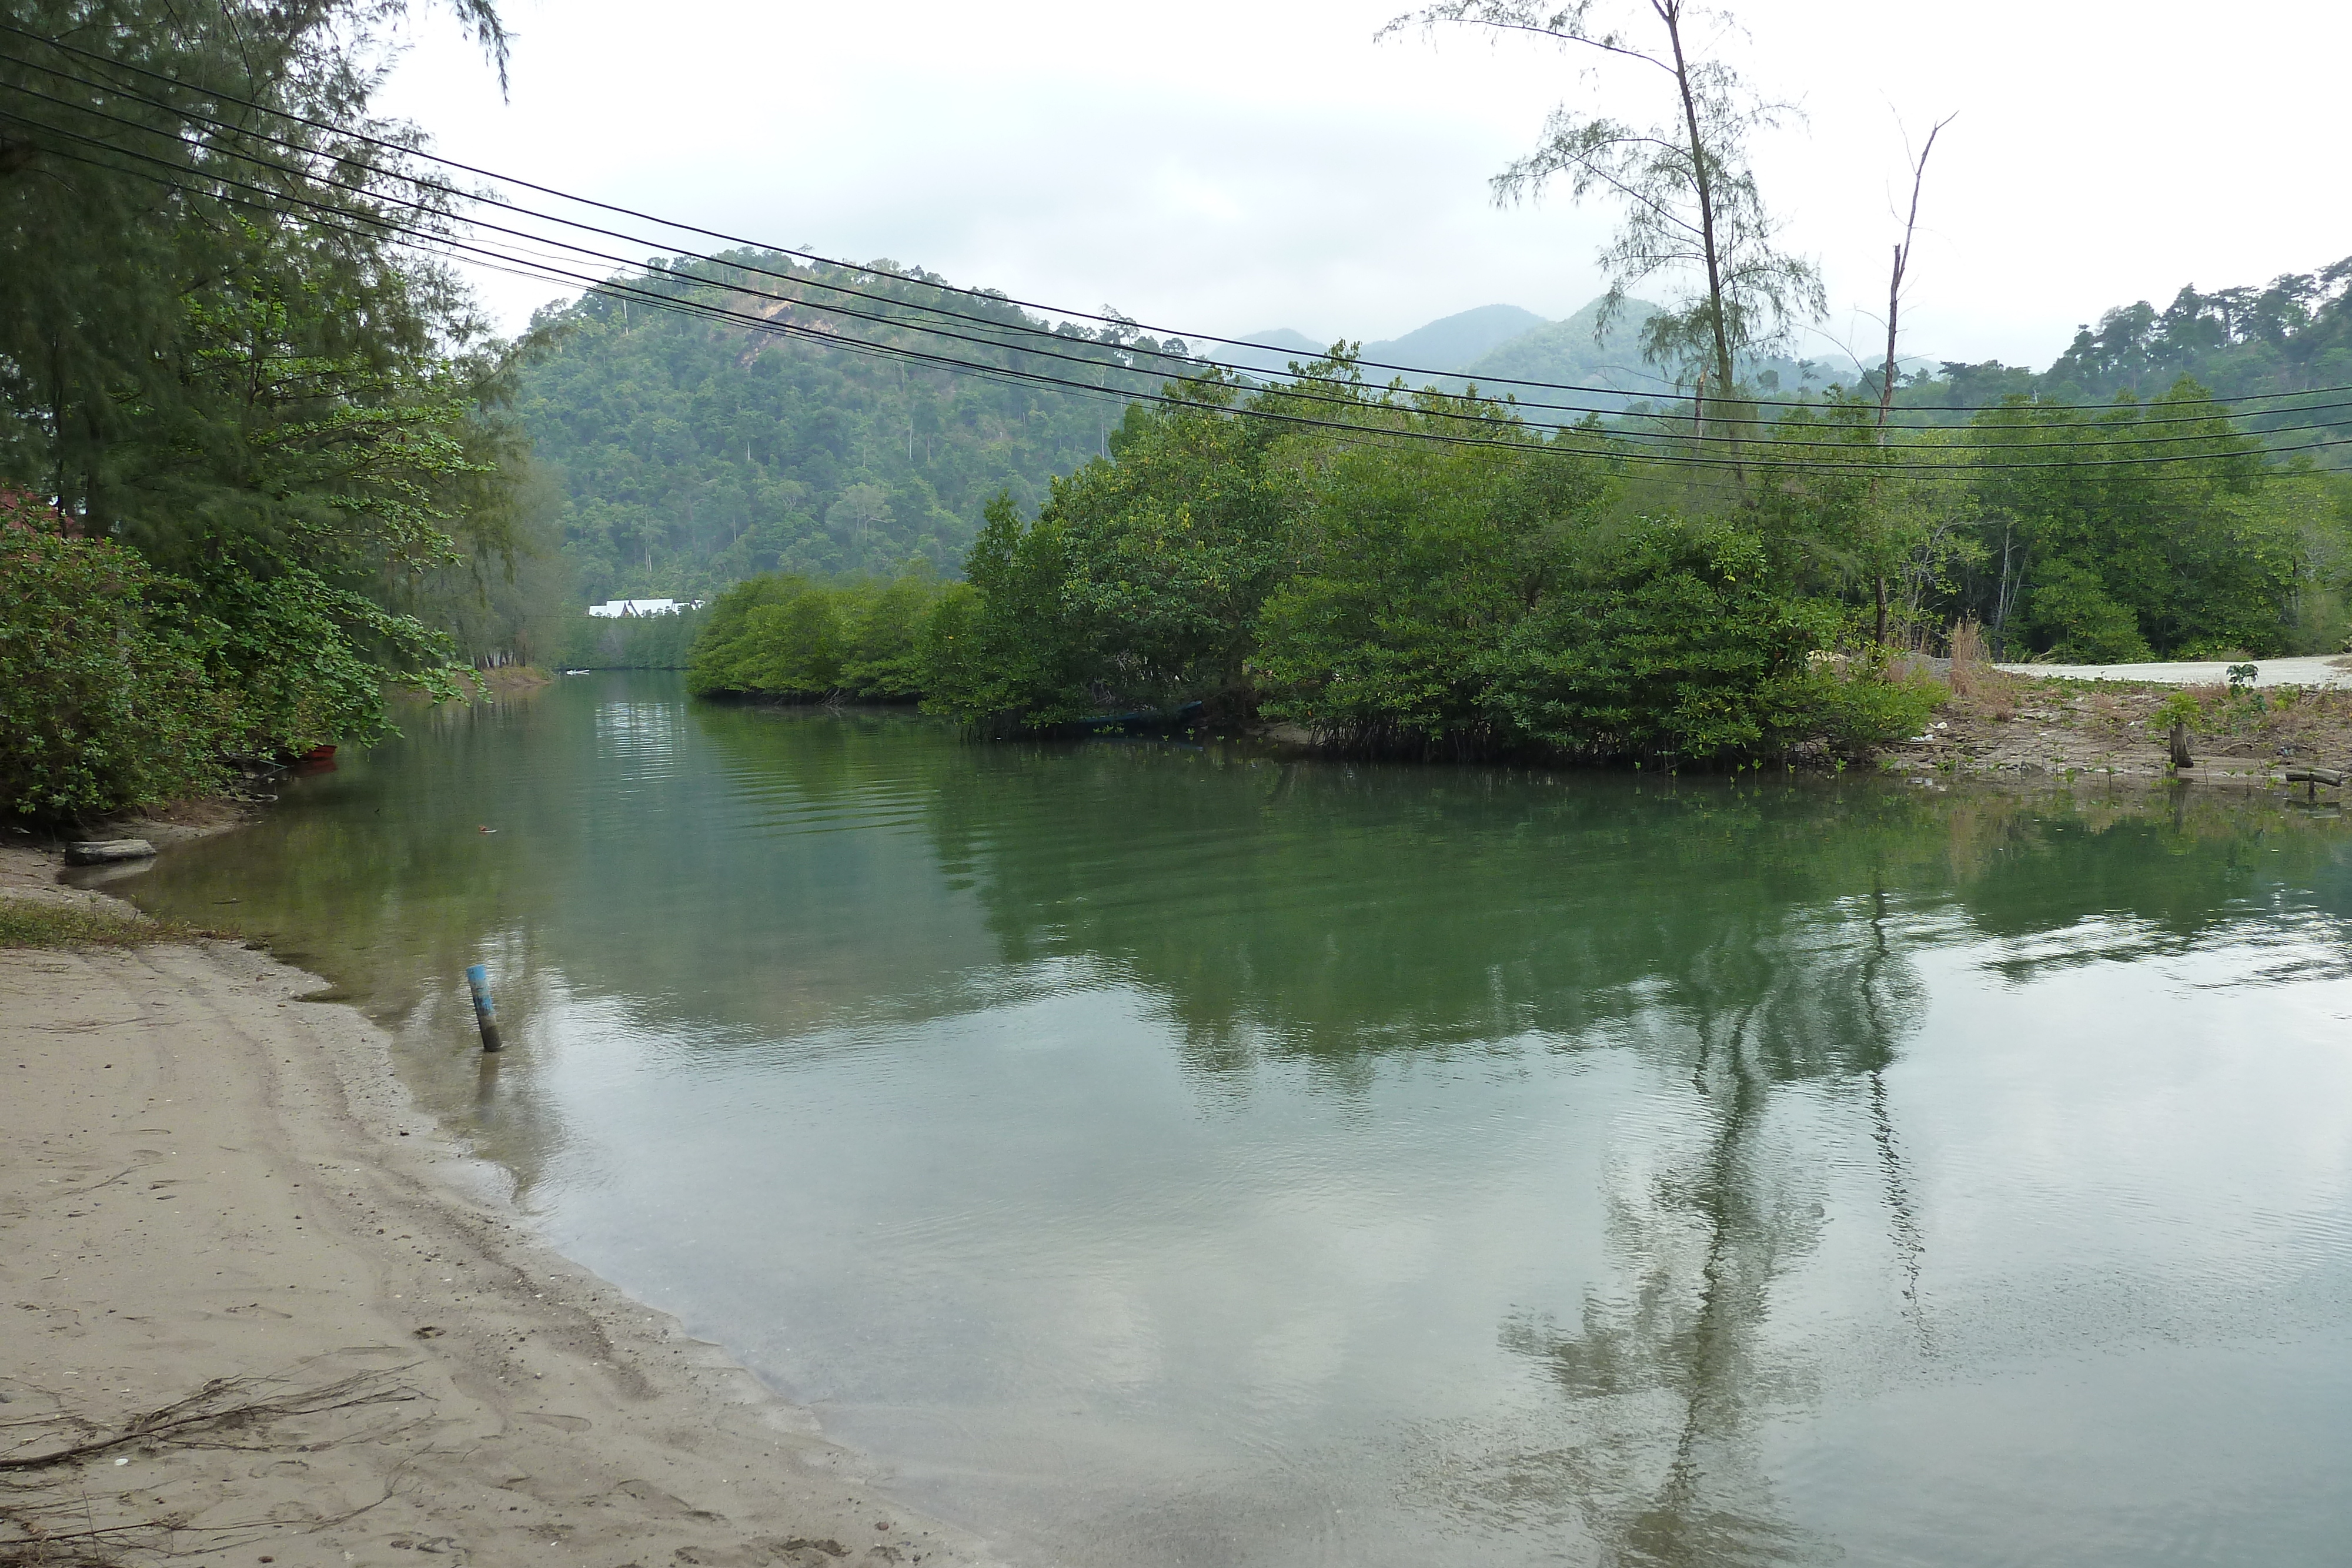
349,222
439,246
275,203
980,295
1099,364
1179,364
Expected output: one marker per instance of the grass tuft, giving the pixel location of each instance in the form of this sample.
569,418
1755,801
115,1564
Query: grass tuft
26,923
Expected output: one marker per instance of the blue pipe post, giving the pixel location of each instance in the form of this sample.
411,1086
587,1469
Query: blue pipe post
478,976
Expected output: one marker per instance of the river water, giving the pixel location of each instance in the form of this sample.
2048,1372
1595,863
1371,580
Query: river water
1159,1154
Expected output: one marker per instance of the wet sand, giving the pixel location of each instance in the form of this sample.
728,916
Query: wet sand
280,1319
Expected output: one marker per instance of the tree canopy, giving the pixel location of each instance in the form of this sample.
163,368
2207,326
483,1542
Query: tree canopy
214,353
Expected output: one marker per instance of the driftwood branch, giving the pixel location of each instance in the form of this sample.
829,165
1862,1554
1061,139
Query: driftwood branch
226,1403
47,1518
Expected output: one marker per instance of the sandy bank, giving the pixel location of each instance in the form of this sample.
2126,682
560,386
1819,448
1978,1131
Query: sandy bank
2007,726
2320,671
244,1275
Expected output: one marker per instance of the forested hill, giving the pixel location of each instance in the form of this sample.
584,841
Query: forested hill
694,452
2293,336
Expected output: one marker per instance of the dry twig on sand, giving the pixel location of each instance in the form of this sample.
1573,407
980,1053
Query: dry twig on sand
49,1519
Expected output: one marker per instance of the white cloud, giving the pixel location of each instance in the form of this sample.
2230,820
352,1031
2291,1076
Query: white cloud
1222,166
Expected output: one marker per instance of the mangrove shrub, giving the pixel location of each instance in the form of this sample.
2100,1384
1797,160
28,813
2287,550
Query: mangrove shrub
105,700
787,636
1392,592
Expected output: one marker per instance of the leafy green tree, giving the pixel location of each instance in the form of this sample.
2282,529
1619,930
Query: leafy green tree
513,600
1138,584
885,657
1844,514
2074,618
2113,533
788,636
635,641
211,350
1671,640
1396,594
1415,563
1689,199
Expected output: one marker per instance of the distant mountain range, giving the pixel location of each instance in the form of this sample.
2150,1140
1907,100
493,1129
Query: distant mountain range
1493,345
1449,344
1456,342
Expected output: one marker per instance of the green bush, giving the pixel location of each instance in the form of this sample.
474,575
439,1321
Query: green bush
1669,641
1463,600
785,635
1415,564
1137,586
105,699
1854,714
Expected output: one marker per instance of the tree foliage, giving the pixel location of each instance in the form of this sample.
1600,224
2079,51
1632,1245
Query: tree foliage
1689,205
696,452
1389,593
1412,562
787,636
634,642
2096,535
2291,334
212,354
105,696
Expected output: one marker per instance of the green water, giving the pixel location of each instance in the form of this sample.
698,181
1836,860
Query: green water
1157,1155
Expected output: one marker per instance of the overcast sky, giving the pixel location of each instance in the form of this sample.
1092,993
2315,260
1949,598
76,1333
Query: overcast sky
1223,166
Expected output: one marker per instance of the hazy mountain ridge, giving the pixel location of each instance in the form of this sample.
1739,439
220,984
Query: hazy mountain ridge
1492,346
1455,342
1447,346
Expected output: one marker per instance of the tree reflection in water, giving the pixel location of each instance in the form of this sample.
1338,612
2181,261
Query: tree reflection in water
1669,1376
1751,946
1744,944
736,894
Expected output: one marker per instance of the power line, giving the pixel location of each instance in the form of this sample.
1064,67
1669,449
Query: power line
1179,365
1780,442
812,258
434,244
342,220
275,204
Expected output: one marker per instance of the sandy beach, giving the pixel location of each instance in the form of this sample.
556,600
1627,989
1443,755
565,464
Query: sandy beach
254,1310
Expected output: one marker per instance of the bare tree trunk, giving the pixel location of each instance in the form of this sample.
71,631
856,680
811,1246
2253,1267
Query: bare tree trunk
1670,12
2004,596
1894,310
